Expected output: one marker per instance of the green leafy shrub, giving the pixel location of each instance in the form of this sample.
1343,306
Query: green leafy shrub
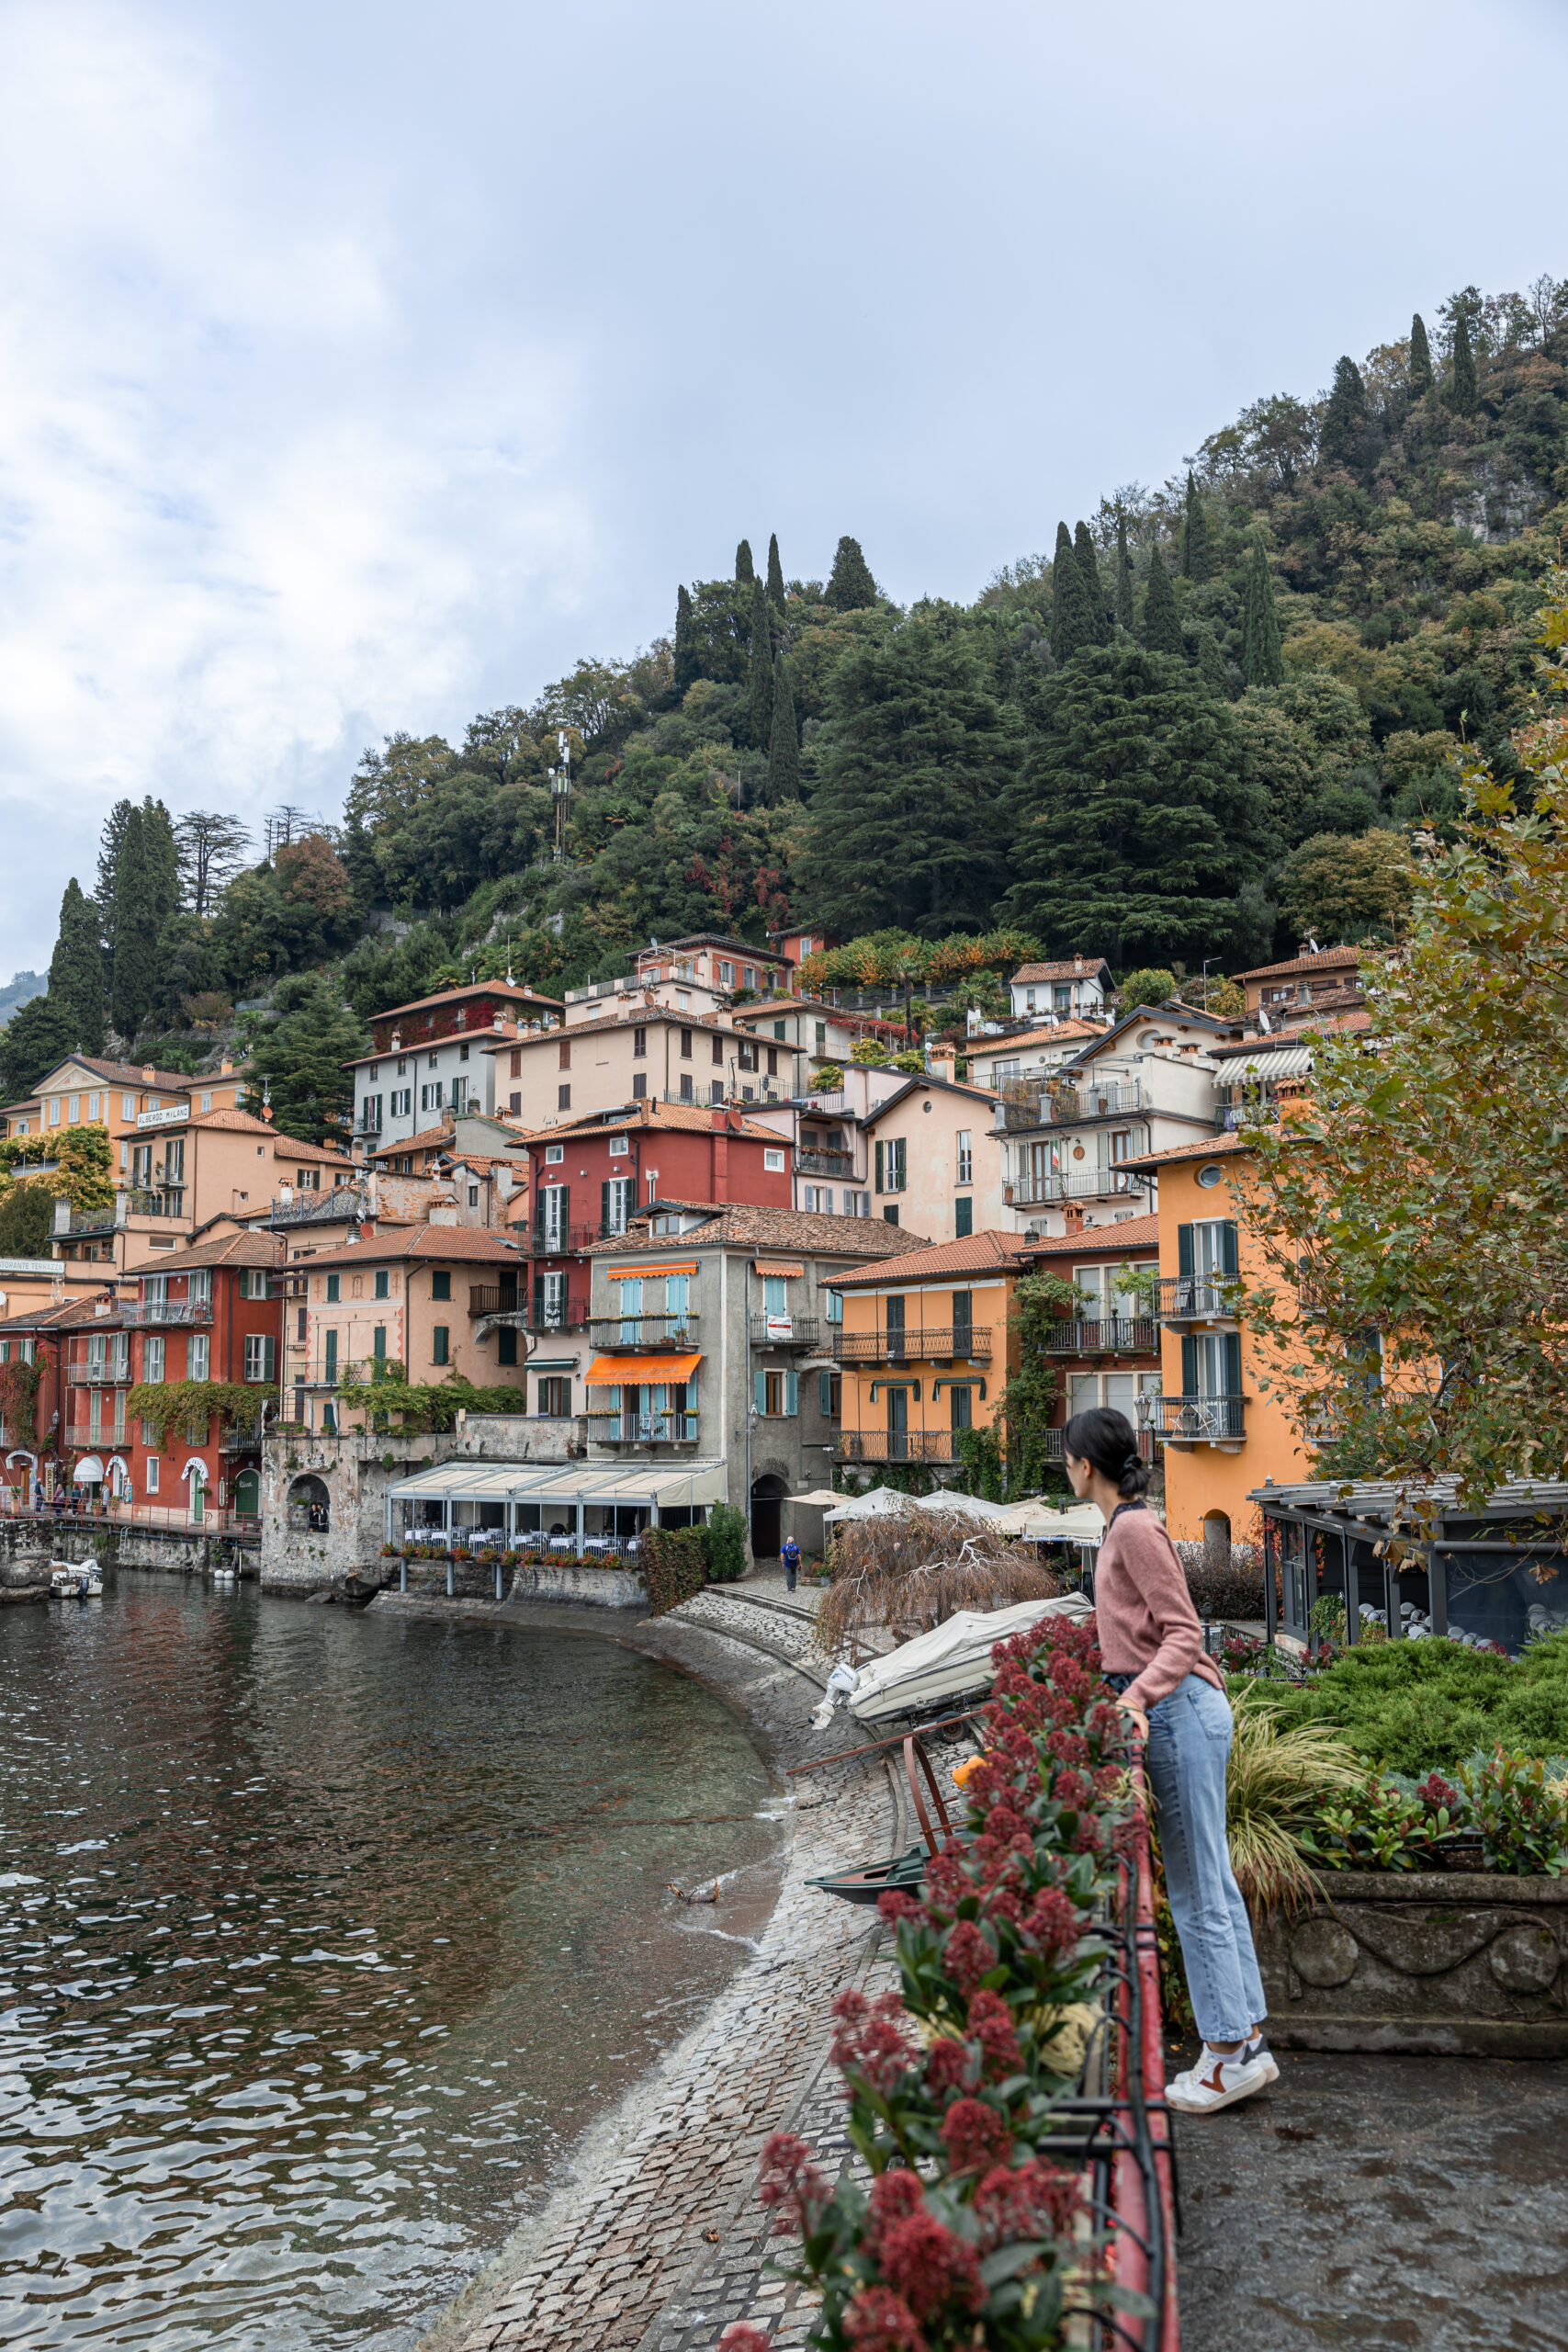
673,1565
1520,1815
727,1544
1423,1706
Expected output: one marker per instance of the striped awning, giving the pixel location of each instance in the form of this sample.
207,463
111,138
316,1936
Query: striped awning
612,1372
648,1274
777,1268
1286,1061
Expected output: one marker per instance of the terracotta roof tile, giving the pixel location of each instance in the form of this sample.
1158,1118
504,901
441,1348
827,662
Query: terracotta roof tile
513,990
976,1253
696,1118
740,1225
979,1050
423,1243
1326,958
1134,1233
1079,968
1205,1148
128,1074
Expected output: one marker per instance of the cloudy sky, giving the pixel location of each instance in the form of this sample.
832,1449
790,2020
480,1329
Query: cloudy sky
362,365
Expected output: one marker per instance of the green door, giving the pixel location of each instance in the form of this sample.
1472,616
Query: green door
247,1494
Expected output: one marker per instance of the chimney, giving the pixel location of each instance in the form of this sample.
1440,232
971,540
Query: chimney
1078,962
442,1212
943,1061
225,1069
148,1073
1072,1218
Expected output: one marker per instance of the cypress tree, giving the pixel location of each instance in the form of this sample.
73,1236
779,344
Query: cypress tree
776,574
135,930
685,642
1124,576
1210,661
744,574
77,970
1345,417
760,694
1420,359
1197,556
851,587
1261,663
1070,626
783,743
1462,391
162,853
1162,621
1099,619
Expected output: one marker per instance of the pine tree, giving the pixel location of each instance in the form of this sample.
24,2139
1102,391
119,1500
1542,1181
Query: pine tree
851,587
136,927
783,743
1345,417
1261,663
32,1041
1462,388
1420,359
1197,556
1095,611
760,693
744,574
685,642
1070,622
776,574
77,970
1162,621
1210,660
300,1059
1124,576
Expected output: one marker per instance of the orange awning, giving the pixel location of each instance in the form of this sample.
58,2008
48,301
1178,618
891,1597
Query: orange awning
633,1371
648,1274
779,1267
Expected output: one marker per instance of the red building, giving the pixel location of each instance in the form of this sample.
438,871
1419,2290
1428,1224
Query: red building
587,1176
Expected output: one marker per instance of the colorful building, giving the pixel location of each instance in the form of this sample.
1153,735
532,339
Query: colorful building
422,1303
935,1160
924,1348
1106,1349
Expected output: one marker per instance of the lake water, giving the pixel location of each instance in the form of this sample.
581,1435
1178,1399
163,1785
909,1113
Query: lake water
321,1938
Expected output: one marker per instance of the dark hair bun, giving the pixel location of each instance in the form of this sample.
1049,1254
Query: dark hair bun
1107,1441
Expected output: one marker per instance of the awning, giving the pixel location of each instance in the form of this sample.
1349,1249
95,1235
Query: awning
550,1364
632,1372
781,1271
1286,1061
89,1471
652,1483
648,1274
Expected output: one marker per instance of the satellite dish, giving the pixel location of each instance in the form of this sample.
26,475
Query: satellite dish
1264,1022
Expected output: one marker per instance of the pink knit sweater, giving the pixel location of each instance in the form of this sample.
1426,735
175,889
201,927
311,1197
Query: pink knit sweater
1147,1625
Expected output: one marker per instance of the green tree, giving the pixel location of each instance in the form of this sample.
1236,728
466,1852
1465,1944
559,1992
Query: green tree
1162,621
783,743
26,1221
1150,984
1197,555
298,1059
1262,663
850,584
1135,821
1071,624
77,970
1462,391
1123,575
1333,888
759,689
33,1040
212,849
1420,359
905,822
744,573
776,574
1095,609
686,658
1209,660
136,927
1344,417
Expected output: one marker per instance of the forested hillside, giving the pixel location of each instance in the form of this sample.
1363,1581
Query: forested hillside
1202,723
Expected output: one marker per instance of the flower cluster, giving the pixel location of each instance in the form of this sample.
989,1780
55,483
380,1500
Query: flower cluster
967,2231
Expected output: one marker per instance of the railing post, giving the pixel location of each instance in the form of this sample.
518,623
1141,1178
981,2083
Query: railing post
451,1588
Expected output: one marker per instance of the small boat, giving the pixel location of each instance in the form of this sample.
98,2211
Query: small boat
905,1871
69,1581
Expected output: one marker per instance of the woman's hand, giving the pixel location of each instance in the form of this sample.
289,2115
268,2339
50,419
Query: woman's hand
1135,1718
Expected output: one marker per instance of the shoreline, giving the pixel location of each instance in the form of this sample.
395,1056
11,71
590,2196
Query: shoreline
656,2186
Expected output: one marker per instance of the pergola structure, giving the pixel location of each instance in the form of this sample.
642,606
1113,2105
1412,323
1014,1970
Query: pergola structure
579,1508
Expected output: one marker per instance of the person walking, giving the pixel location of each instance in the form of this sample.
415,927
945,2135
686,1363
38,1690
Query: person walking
1174,1697
789,1553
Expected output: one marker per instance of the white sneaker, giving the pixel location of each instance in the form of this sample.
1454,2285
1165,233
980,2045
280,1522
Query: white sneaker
1258,2049
1215,2082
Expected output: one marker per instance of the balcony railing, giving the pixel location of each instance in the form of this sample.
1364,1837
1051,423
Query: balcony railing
643,1428
1053,1449
896,1446
171,1310
310,1208
1095,1184
136,1202
98,1376
825,1163
615,1332
1023,1105
1197,1298
244,1437
1194,1420
524,1314
784,1331
939,1343
561,1240
1112,1335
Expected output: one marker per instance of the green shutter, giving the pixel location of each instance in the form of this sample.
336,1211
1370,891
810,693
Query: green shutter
877,1184
1189,1351
963,1216
792,1391
1184,1257
378,1342
759,1391
1233,1359
605,1208
539,1300
332,1359
1229,1262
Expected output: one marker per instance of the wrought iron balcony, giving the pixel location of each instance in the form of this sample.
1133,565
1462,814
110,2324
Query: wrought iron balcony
784,1331
825,1163
643,1428
1194,1420
1197,1298
1112,1335
350,1201
98,1376
171,1310
1022,1105
617,1332
896,1446
242,1436
547,1240
521,1314
1094,1184
1053,1449
932,1344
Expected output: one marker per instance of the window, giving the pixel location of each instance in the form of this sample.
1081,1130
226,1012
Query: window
302,1326
440,1286
775,1394
402,1101
683,998
75,1110
718,1052
775,1296
515,1069
1062,999
128,1106
749,976
260,1350
963,1216
153,1358
725,974
473,1196
152,1473
686,1044
199,1356
563,1098
686,1094
370,1115
330,1369
515,1102
432,1061
830,1394
890,1216
1211,1176
619,1147
639,1086
554,1397
833,1311
618,1198
403,1067
378,1350
779,1029
554,1154
334,1289
821,1036
462,1050
966,1155
255,1281
773,1161
890,1168
772,1061
381,1279
564,1052
441,1344
374,1071
459,1093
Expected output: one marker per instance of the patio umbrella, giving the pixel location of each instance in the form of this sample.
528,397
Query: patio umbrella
873,1504
1079,1524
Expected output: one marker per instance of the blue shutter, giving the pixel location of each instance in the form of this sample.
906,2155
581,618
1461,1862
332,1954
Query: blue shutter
792,1391
1188,1354
759,1391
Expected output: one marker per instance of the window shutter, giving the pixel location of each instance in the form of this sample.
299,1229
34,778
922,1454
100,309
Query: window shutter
824,1395
759,1391
605,1208
1189,1356
878,1185
792,1391
1233,1359
1229,1262
1184,1258
269,1356
539,1298
963,1216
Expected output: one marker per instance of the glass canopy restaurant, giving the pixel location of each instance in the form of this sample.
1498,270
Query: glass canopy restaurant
579,1508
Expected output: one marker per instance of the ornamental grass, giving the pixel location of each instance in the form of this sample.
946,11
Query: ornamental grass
912,1569
968,2235
1276,1780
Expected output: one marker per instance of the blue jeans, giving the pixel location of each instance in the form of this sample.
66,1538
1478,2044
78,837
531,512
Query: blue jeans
1190,1744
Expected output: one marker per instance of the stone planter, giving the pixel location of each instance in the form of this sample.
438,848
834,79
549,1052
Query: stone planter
1447,1962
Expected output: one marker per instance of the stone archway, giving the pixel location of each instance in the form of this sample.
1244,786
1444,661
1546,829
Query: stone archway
309,1506
767,1498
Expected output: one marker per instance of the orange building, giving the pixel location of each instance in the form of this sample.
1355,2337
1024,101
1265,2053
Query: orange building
924,1348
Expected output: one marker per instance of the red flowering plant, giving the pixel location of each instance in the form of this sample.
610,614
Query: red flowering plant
968,2232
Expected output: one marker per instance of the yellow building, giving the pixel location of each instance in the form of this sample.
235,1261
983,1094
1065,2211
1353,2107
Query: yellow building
924,1348
1222,1435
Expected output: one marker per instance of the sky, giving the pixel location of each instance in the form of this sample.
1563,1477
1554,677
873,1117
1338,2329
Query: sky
361,366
